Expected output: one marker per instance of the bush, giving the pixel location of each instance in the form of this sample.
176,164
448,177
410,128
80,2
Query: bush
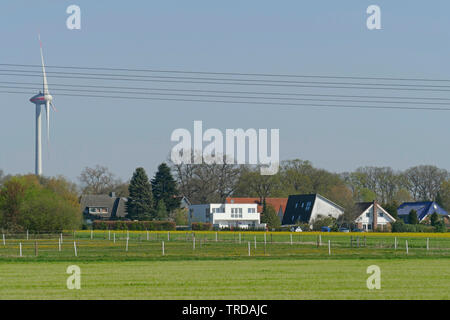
133,225
201,226
440,226
400,226
322,221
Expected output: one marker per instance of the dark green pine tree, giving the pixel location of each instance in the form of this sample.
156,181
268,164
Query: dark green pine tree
140,200
412,217
164,188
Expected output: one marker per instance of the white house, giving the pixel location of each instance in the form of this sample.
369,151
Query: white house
226,215
368,221
305,208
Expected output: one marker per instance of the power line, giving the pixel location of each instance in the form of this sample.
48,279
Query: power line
226,92
249,102
234,97
257,81
226,73
361,85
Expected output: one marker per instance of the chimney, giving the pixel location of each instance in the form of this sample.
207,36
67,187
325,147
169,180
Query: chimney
375,216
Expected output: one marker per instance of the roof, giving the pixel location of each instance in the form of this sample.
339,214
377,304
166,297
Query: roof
423,209
300,207
116,205
276,203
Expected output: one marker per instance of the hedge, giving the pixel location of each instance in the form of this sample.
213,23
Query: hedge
134,225
201,226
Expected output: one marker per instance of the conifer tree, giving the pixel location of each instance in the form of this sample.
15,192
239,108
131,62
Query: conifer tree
140,200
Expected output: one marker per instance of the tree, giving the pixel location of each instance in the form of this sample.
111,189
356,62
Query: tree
252,184
161,211
424,182
412,217
180,216
99,180
391,208
434,219
206,182
32,203
269,216
164,188
140,200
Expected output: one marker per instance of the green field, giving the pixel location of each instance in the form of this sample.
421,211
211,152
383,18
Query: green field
223,269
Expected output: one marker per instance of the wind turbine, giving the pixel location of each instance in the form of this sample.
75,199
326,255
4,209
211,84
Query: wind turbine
42,98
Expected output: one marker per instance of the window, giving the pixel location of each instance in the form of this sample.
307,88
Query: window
98,210
251,210
308,206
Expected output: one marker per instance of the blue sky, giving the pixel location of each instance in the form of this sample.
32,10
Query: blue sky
288,37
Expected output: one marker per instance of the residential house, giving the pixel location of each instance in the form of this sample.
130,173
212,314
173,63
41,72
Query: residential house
279,204
103,207
424,210
226,215
305,208
367,220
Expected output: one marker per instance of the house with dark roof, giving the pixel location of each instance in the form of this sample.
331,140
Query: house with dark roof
279,204
372,216
424,210
305,208
103,207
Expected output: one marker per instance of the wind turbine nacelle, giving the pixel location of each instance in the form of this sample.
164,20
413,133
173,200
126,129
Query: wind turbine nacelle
38,99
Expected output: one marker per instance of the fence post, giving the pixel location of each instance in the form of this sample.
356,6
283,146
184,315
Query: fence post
27,234
249,248
239,237
291,238
114,237
364,241
320,239
428,244
61,237
59,244
168,235
20,249
75,248
147,235
407,247
255,242
163,248
357,242
216,236
329,247
395,243
4,241
193,242
109,234
126,248
92,234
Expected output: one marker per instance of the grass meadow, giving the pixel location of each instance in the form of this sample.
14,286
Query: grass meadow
225,265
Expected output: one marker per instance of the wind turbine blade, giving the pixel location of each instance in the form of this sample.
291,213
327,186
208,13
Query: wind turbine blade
45,84
53,107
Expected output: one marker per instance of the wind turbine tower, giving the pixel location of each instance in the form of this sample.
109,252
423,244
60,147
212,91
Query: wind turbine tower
42,98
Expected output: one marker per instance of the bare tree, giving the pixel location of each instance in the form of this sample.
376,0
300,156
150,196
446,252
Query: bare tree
99,180
424,182
206,182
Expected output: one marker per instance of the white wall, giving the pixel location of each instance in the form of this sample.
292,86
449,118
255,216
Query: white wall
324,208
382,217
198,213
